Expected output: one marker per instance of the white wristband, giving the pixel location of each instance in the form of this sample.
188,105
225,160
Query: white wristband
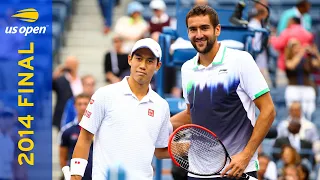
78,166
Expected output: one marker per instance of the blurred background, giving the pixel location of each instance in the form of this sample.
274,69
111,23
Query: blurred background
92,38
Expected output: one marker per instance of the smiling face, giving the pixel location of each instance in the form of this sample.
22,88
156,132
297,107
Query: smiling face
143,65
202,34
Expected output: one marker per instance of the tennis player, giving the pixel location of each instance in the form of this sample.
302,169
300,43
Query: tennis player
129,122
221,87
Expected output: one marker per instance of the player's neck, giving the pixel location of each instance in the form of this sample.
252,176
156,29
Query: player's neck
137,89
206,59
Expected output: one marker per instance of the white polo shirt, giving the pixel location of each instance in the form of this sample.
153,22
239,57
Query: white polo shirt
126,130
221,97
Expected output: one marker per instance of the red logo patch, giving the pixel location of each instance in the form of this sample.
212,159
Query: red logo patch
91,101
87,113
151,112
77,162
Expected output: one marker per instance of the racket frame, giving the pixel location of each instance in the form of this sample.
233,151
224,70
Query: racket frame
202,128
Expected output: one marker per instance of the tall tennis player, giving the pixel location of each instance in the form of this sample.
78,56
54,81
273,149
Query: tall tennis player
129,122
221,87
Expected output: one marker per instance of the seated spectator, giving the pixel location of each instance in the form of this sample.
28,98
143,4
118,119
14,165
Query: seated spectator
69,134
308,130
301,11
132,27
290,172
301,61
267,168
159,19
294,30
303,172
70,112
116,65
293,140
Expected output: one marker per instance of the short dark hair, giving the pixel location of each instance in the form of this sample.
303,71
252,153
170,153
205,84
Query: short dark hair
302,3
82,95
204,10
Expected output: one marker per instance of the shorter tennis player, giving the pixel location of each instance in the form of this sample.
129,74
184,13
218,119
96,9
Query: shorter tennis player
129,121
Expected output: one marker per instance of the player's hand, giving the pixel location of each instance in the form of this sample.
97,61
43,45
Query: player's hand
237,165
73,177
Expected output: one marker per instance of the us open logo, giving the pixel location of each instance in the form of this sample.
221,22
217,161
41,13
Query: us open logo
30,15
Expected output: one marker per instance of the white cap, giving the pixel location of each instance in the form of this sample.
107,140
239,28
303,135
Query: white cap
150,44
157,4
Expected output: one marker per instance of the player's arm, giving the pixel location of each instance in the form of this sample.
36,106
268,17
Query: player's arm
81,153
182,118
63,156
257,89
263,124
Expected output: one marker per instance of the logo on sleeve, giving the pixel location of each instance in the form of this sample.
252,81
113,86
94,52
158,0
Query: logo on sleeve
151,112
91,101
87,114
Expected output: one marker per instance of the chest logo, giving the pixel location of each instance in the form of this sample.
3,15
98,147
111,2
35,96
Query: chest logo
151,112
223,71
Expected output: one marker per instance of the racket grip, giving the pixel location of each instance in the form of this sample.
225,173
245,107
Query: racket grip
66,172
252,178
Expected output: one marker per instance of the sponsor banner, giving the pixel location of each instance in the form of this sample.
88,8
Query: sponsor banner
25,89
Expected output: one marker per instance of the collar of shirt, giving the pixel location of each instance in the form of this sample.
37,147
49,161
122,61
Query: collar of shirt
218,59
127,91
295,141
297,12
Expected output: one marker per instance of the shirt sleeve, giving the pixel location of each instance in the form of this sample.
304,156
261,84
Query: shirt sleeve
165,131
95,113
64,139
251,79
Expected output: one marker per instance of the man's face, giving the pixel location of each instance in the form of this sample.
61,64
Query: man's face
89,86
81,105
202,34
143,65
295,111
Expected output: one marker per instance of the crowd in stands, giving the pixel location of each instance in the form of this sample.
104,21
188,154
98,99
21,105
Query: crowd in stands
295,153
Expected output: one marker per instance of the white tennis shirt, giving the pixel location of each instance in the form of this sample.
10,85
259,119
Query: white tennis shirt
126,130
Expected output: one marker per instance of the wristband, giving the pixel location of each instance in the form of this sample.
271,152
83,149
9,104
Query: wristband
78,166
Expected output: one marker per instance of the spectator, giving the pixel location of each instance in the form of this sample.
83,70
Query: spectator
290,172
301,11
66,83
106,7
159,19
132,27
116,65
293,140
294,30
267,168
303,172
259,41
69,113
300,63
308,130
69,134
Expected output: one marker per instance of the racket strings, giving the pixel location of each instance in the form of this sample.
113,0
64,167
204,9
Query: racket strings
198,151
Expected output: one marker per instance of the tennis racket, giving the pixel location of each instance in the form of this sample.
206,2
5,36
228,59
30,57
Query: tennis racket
198,151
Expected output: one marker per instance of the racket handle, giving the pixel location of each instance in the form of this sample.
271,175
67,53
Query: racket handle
250,177
66,172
